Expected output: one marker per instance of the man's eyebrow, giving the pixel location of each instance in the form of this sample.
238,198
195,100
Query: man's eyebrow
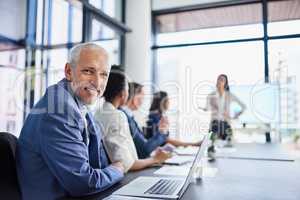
89,67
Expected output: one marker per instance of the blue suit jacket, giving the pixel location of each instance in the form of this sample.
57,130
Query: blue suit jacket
144,146
152,124
53,160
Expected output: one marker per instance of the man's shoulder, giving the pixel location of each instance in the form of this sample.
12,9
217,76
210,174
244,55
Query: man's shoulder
57,103
58,98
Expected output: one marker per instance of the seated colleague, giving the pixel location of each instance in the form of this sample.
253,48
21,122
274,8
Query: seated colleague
116,137
156,112
59,151
143,146
159,106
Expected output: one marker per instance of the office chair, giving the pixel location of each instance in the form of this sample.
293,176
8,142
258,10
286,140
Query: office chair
9,186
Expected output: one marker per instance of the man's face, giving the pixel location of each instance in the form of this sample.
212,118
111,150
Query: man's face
138,99
89,77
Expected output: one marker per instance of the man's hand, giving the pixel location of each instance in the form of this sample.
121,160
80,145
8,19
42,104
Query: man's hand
161,155
119,166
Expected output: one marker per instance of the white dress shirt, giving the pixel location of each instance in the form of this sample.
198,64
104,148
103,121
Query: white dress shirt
117,139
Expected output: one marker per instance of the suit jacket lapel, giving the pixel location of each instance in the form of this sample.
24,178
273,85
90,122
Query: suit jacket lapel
97,152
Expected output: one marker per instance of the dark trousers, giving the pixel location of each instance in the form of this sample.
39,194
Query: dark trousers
220,129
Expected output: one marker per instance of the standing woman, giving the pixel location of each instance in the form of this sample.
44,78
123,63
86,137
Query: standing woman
218,102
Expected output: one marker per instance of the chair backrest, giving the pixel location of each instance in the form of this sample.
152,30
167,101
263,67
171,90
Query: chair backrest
9,186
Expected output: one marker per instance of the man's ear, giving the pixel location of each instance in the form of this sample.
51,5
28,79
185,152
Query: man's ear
68,72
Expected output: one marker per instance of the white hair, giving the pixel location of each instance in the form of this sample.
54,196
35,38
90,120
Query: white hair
76,50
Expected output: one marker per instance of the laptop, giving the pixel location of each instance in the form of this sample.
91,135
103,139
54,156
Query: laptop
117,197
163,187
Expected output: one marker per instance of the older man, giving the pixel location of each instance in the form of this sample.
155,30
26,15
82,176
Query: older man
60,152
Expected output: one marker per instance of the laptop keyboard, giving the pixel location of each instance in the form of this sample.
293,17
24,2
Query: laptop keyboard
164,187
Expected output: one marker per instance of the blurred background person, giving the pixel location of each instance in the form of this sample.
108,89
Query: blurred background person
218,102
157,114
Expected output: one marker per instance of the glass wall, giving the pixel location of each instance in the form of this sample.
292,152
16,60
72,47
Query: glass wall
189,74
57,26
212,34
12,65
113,8
61,27
192,47
285,71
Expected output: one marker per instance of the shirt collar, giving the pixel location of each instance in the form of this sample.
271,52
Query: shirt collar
128,111
108,106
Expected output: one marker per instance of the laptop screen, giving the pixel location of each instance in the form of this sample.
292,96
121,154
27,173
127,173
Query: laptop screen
198,156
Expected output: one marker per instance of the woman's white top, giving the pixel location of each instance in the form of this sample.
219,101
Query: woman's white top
219,105
117,139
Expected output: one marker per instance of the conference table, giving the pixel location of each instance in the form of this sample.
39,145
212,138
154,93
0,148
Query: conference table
256,151
250,172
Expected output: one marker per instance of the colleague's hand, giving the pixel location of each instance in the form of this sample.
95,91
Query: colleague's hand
160,155
186,144
168,147
119,166
163,125
197,144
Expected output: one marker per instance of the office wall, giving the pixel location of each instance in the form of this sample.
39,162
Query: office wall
138,42
13,19
138,55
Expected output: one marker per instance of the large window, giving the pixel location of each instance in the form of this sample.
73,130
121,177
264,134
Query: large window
53,28
283,17
192,45
12,88
101,31
57,59
213,24
189,74
60,24
76,23
284,28
212,34
285,70
110,7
